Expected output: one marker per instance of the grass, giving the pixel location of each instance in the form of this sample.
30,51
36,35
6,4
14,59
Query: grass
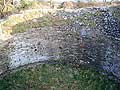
4,59
24,5
56,77
37,23
19,24
18,20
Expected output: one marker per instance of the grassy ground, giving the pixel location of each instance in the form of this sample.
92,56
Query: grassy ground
56,77
15,25
45,21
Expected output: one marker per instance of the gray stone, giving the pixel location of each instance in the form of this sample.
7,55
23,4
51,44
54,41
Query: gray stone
77,42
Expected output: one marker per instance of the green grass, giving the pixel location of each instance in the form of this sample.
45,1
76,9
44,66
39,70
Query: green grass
45,21
56,77
4,59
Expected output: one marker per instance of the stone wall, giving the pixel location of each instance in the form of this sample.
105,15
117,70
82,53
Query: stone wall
100,41
92,37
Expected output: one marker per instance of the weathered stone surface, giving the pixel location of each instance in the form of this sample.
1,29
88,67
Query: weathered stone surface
34,45
92,37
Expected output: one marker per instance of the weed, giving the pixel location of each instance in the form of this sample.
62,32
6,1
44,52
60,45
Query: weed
56,77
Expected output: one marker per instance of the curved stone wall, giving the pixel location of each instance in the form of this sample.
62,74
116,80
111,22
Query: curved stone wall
92,37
